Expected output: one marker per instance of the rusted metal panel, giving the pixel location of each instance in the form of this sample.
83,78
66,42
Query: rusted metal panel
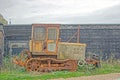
74,51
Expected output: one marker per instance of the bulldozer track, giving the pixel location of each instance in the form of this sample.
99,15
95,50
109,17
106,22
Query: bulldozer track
50,64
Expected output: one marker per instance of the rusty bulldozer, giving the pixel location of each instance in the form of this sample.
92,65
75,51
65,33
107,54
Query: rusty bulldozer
42,55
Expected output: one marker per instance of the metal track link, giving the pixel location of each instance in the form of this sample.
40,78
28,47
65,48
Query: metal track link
50,64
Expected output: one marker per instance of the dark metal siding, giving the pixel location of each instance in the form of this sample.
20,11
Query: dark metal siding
16,33
1,44
100,38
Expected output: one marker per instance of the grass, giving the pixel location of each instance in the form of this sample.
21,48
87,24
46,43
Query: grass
12,72
28,76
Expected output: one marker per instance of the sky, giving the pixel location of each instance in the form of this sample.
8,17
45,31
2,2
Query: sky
61,11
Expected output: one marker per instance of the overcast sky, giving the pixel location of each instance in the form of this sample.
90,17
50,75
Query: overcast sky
61,11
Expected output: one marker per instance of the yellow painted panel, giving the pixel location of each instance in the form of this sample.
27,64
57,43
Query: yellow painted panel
74,51
50,41
37,46
30,45
75,44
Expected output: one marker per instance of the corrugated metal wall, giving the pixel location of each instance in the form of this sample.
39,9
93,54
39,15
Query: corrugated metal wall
16,35
100,38
1,44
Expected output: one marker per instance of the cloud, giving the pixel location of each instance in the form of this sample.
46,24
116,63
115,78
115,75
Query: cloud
107,15
111,13
6,4
59,11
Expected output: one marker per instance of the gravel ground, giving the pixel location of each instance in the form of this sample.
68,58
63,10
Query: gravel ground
113,76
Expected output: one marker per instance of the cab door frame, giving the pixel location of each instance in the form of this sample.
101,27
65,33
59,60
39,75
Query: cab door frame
51,42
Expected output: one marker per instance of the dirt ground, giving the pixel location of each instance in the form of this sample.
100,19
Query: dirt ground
113,76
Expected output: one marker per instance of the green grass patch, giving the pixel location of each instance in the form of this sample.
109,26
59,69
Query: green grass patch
21,74
13,72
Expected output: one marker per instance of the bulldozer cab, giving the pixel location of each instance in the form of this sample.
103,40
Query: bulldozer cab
44,39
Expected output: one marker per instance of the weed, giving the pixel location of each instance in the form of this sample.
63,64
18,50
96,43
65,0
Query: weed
13,72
